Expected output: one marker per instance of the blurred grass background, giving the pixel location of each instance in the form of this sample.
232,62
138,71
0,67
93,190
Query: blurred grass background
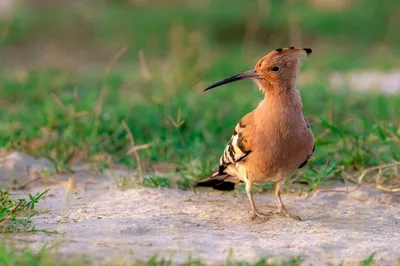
73,71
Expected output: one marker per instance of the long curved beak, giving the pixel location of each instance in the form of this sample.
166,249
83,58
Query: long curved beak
245,75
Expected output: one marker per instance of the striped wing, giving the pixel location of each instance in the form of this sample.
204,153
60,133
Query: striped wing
239,146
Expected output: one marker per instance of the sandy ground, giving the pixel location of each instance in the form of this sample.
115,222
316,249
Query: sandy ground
108,224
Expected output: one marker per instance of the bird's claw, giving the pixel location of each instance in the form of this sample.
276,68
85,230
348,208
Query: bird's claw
285,213
254,214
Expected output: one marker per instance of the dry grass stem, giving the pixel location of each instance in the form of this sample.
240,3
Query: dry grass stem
366,171
135,150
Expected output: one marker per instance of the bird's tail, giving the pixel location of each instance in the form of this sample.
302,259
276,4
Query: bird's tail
220,181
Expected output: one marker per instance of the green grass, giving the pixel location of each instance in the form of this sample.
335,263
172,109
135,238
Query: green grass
12,257
368,261
155,84
16,214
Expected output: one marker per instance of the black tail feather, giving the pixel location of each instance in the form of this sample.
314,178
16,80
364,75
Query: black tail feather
218,182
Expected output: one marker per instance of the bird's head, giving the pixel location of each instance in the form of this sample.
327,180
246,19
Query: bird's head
279,68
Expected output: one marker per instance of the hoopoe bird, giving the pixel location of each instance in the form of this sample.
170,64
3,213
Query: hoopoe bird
274,140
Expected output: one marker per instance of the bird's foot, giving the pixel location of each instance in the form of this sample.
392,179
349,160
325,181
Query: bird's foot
285,213
255,213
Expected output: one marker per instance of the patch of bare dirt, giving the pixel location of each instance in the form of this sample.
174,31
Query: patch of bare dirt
106,223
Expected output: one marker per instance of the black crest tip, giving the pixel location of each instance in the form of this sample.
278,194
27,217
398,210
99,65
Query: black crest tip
308,50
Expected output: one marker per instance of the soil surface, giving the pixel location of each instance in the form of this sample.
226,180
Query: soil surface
106,223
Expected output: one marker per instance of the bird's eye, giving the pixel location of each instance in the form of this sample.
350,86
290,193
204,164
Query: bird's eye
275,68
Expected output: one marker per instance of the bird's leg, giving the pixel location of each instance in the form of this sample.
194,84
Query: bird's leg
281,210
253,211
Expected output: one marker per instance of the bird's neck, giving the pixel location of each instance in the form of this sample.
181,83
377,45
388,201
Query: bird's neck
280,104
285,97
